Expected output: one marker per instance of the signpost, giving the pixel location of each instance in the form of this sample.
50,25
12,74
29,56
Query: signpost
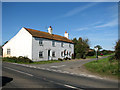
96,49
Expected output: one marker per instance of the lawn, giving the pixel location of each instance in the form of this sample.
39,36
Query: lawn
104,67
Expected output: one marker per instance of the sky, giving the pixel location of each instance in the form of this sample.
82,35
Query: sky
97,21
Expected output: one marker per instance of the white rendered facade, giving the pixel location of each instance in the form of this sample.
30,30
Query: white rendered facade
37,49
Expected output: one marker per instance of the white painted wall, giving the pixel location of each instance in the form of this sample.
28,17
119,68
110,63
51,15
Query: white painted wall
47,45
20,45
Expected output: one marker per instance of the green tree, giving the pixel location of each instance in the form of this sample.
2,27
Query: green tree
117,50
75,42
0,50
81,47
99,47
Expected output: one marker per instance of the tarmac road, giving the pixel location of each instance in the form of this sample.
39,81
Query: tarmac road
18,76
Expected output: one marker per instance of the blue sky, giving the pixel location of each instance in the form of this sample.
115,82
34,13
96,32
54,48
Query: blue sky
97,21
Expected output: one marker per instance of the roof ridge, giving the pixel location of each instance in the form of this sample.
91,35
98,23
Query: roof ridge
37,33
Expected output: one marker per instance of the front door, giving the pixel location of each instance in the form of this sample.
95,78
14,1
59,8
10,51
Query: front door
48,54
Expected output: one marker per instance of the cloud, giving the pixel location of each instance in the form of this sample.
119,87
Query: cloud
88,26
78,10
81,29
109,24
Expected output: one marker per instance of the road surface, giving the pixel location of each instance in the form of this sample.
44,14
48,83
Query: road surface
18,76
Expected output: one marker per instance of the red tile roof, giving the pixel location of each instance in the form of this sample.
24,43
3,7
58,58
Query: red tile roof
41,34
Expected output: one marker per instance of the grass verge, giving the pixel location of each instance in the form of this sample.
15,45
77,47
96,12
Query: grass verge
24,60
99,56
104,67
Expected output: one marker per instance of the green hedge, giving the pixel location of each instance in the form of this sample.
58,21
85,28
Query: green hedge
17,59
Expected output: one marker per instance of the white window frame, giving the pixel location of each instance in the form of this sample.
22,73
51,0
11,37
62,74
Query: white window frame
69,45
53,52
53,43
62,44
62,54
8,51
41,53
41,42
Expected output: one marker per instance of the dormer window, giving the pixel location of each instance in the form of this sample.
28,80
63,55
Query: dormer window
41,42
53,43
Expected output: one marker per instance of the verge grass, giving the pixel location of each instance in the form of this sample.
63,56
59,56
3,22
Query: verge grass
104,67
27,61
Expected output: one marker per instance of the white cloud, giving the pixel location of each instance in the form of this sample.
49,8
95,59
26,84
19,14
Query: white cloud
81,29
88,26
109,24
78,10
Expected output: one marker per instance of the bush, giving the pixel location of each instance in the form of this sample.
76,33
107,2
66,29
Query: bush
67,58
18,59
60,59
91,53
73,56
117,50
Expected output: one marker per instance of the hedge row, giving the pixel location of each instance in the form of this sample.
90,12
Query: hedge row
17,59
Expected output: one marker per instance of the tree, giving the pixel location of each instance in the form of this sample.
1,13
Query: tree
99,47
0,50
81,47
117,50
75,42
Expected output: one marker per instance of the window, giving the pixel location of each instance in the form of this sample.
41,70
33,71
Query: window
41,54
53,53
70,45
53,43
62,54
62,44
41,42
8,51
69,53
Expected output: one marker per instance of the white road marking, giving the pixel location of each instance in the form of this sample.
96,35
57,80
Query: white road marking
18,71
42,68
70,86
58,66
58,70
66,72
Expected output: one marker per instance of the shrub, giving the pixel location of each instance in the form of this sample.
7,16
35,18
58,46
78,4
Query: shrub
60,59
18,59
73,56
91,53
117,50
67,58
78,55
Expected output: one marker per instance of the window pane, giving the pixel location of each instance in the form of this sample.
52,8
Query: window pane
61,44
62,54
40,54
53,53
53,43
8,51
70,45
40,42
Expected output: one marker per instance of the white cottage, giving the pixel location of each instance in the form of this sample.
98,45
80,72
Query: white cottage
38,45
